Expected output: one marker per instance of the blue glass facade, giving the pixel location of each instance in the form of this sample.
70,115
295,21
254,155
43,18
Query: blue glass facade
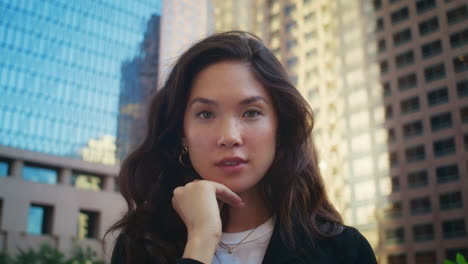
60,72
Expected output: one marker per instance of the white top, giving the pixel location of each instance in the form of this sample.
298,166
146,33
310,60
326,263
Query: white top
251,250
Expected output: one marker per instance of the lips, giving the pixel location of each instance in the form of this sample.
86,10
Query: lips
231,161
232,164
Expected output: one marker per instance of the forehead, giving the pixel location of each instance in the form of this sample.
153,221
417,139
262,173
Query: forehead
231,79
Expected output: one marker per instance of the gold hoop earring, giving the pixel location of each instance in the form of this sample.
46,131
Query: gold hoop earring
183,152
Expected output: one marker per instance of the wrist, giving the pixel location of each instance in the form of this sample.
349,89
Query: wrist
201,247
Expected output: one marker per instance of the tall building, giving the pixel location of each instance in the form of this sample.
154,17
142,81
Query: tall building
62,99
183,22
387,80
422,51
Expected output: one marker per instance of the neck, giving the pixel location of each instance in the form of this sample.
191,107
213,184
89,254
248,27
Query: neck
252,215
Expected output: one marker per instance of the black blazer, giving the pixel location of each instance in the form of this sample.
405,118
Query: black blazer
349,247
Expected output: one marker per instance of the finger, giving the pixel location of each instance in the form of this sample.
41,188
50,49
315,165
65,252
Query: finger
225,195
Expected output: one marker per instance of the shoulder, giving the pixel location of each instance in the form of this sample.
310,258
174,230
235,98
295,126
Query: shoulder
350,246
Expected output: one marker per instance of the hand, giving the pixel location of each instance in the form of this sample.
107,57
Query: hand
198,204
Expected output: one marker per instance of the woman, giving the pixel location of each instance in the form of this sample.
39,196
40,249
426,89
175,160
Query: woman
227,172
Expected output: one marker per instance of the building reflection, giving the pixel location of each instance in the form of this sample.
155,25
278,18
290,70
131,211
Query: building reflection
139,78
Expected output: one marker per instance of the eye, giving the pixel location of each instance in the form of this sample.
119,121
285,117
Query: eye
251,113
205,115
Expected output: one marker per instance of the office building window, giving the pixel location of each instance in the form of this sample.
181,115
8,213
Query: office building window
441,121
434,72
460,63
447,173
409,105
87,181
289,9
444,147
404,59
393,159
397,259
394,210
438,96
425,257
431,49
465,141
394,1
464,114
39,219
420,206
451,200
459,39
451,253
417,179
407,82
402,37
425,5
387,90
391,136
462,88
291,44
423,232
292,62
416,153
308,17
395,235
291,26
310,35
377,4
381,46
412,129
384,66
40,174
388,112
4,167
428,26
454,228
88,222
379,25
400,15
395,184
457,14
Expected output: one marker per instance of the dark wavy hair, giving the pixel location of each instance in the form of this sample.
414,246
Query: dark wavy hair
292,188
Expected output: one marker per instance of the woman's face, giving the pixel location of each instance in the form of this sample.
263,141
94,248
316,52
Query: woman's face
230,126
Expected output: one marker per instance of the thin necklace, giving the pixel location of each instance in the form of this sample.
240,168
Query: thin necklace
231,249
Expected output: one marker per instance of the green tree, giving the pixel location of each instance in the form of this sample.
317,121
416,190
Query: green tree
460,259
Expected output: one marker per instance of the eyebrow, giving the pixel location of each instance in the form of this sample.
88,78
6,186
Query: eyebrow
246,101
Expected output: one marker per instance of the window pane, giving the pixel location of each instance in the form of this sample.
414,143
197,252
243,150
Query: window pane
87,224
35,220
40,174
4,167
86,181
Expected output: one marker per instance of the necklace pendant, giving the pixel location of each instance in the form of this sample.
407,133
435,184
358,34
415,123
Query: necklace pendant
230,250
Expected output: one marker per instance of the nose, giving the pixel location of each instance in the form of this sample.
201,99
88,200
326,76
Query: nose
230,133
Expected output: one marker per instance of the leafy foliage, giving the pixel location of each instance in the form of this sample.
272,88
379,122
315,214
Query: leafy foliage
460,259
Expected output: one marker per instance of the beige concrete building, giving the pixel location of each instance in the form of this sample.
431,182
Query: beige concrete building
422,50
60,201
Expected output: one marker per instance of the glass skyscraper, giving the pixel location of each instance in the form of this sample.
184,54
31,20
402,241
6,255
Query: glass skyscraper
61,81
